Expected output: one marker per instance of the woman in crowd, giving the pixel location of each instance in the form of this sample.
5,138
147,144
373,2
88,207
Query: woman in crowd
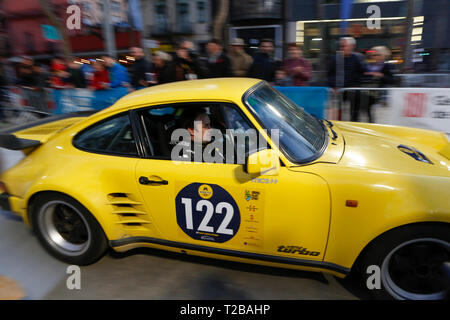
59,75
186,66
378,74
163,67
100,80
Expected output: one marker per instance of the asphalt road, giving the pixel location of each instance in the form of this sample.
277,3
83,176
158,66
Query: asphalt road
155,274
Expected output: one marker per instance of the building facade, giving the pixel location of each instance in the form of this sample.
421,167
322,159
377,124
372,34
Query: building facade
93,11
258,19
166,22
24,21
317,25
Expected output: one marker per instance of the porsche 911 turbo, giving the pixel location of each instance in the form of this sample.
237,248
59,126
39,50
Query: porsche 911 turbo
311,194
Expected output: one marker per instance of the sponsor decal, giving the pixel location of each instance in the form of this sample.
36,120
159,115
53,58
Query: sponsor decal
265,180
207,212
205,191
298,250
251,195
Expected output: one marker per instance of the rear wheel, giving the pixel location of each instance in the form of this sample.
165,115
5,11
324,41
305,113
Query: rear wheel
414,263
67,230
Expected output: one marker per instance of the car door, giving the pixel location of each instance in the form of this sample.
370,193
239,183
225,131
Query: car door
218,205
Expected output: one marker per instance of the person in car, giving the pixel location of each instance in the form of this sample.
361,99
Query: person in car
198,124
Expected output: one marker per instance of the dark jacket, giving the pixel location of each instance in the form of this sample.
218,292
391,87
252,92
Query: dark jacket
185,67
166,74
353,71
221,67
27,77
138,70
385,81
264,67
77,78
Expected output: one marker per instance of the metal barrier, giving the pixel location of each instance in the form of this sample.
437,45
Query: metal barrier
428,80
19,115
15,108
426,108
354,102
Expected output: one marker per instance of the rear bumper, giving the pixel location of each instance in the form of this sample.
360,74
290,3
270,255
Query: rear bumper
13,204
4,201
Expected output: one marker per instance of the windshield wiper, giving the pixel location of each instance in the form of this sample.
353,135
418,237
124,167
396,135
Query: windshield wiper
330,124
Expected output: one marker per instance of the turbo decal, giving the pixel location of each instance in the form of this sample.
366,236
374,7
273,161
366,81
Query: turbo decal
299,250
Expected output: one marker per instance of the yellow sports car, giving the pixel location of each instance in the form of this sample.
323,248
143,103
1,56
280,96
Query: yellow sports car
231,169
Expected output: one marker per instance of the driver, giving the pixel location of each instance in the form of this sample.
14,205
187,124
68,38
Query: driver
198,124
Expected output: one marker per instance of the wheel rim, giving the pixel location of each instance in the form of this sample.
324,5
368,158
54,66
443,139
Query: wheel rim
415,270
64,228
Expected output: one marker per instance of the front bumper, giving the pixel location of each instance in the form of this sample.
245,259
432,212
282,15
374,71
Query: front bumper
4,201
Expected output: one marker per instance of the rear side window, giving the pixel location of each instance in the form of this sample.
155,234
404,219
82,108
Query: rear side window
113,136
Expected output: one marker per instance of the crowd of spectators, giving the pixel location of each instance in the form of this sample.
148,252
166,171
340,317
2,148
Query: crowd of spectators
346,69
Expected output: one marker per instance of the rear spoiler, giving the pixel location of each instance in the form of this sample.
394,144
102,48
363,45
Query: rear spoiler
26,136
11,142
49,119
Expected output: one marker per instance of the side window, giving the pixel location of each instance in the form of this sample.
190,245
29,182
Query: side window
229,144
113,136
158,124
242,134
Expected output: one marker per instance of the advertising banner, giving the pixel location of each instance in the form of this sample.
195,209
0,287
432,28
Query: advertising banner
71,100
426,108
312,99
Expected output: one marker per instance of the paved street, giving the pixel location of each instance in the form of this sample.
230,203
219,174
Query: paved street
153,274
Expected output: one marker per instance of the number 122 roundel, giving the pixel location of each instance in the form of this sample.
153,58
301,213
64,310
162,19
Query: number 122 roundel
207,212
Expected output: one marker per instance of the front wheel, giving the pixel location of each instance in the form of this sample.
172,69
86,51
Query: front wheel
413,262
67,230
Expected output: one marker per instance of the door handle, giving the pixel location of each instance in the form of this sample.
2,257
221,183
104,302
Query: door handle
145,181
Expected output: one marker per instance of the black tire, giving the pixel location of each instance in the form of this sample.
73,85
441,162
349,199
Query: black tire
67,230
409,261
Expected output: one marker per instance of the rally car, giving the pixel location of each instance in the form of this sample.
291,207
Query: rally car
310,194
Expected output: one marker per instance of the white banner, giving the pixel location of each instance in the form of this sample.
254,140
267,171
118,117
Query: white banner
426,108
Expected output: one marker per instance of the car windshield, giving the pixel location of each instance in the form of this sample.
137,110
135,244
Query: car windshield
301,135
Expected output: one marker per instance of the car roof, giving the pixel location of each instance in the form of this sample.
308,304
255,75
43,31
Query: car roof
229,89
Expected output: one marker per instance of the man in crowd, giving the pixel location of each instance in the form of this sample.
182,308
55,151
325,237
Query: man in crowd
186,65
139,68
77,77
240,60
346,69
297,68
118,74
216,64
264,65
163,67
192,53
30,82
